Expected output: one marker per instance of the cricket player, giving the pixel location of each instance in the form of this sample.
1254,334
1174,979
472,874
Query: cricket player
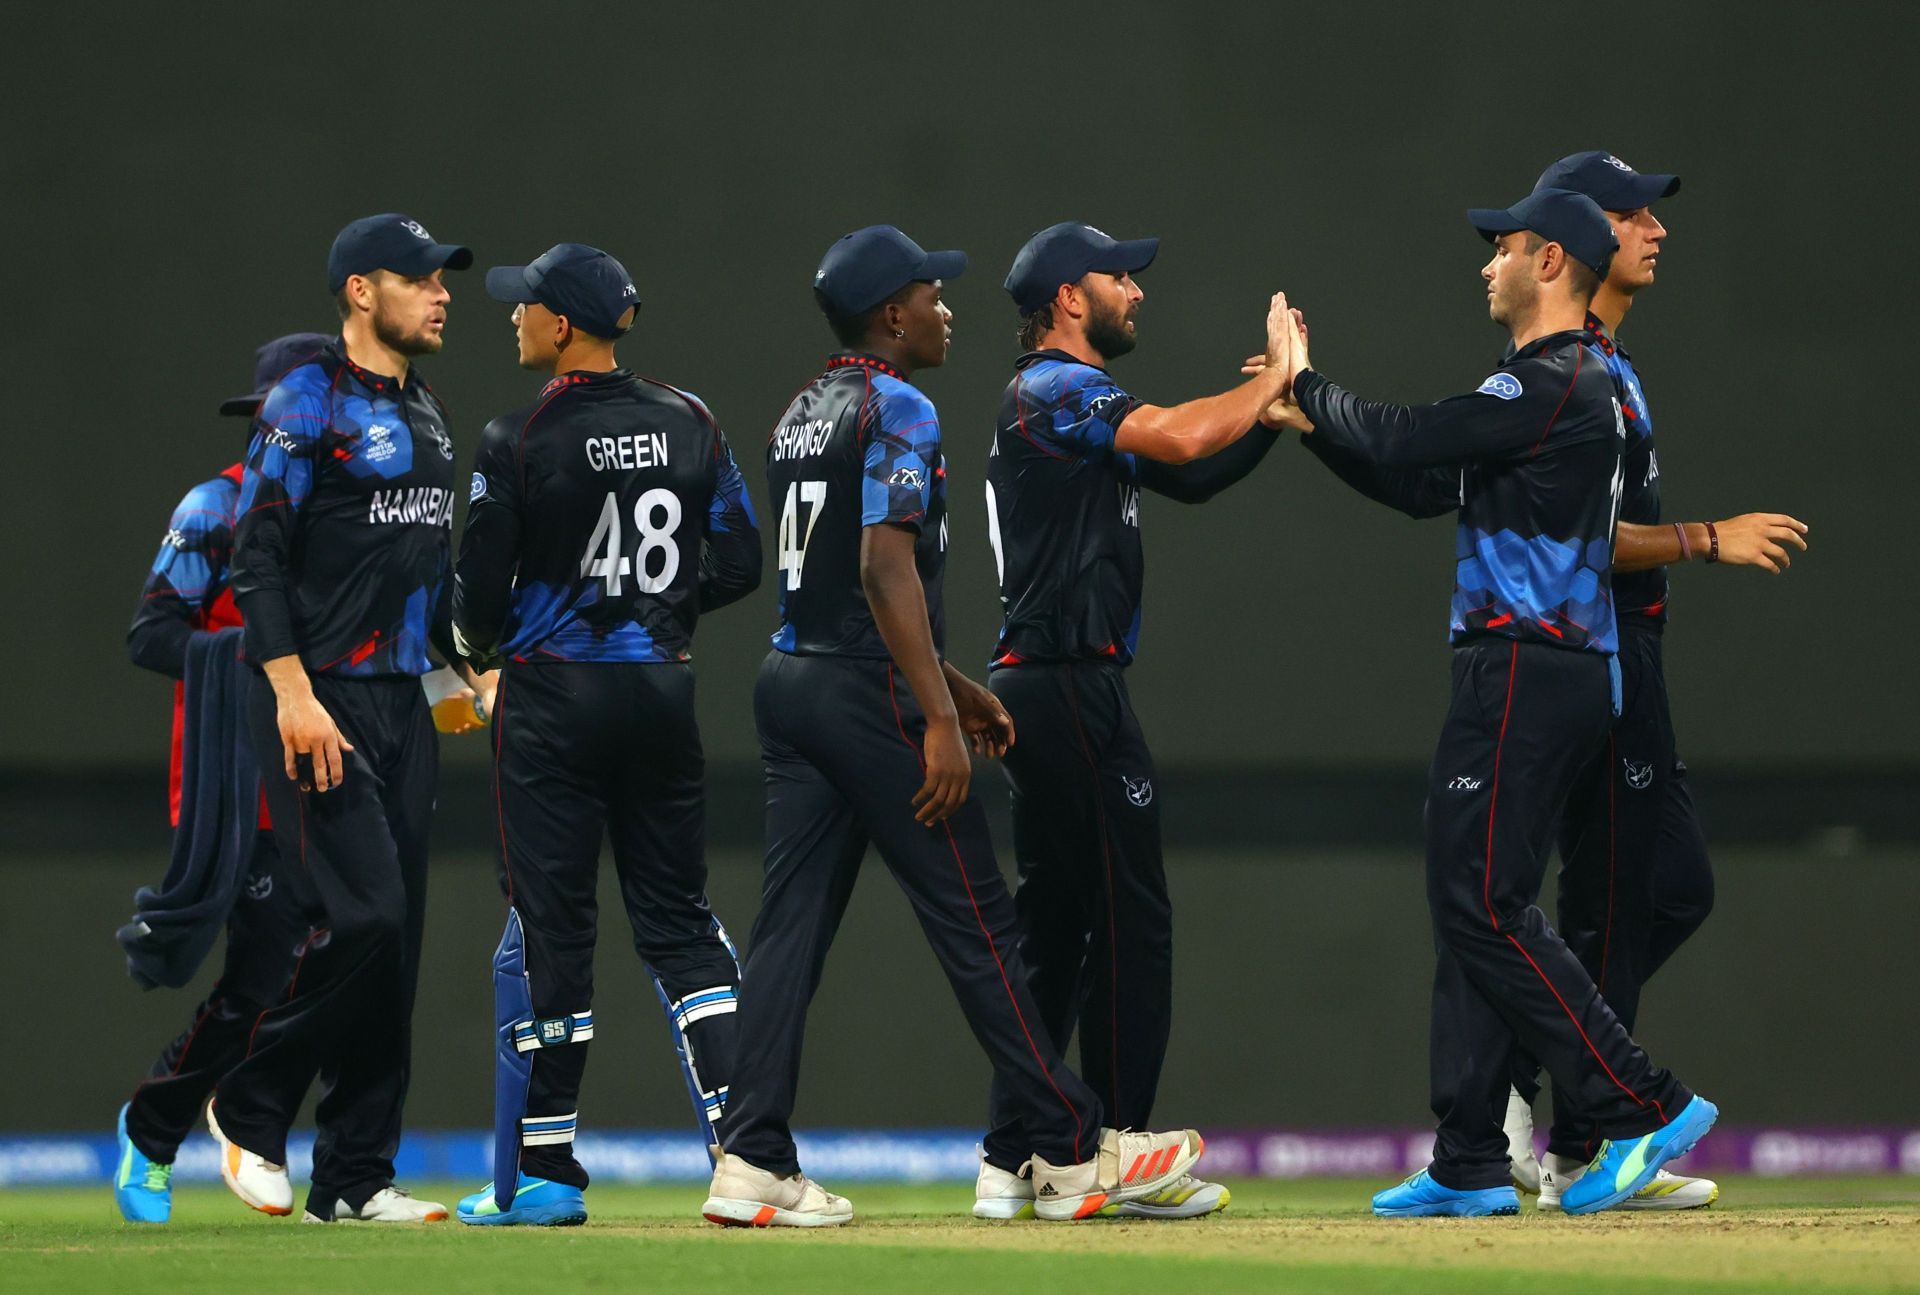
602,520
186,594
1072,453
342,576
1538,448
1635,882
865,730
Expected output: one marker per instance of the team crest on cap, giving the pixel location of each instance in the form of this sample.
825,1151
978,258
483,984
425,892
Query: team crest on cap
479,490
1503,385
1618,164
415,228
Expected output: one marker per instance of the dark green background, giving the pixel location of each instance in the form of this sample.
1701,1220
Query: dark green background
170,178
173,177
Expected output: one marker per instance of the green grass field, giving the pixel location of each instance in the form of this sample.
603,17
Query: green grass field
1826,1235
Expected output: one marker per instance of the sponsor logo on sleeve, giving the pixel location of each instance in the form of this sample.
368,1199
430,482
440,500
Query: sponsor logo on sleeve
908,478
1503,385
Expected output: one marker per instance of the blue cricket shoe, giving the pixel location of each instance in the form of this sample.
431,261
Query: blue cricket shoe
1624,1167
142,1188
536,1202
1421,1198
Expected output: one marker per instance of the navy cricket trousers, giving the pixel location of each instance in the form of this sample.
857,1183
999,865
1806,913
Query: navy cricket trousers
1523,719
842,740
1096,921
1635,880
361,851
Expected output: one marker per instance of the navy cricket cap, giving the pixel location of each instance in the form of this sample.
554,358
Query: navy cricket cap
1067,253
1562,216
864,268
389,241
1607,180
271,363
590,288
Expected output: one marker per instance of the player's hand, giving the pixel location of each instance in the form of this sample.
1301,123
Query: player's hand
949,773
1761,540
1284,413
1295,325
458,712
983,719
1255,364
1280,333
310,738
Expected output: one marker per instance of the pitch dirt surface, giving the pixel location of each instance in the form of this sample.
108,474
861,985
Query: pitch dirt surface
1815,1235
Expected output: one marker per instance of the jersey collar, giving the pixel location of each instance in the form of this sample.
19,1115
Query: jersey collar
861,360
1597,333
582,378
1053,353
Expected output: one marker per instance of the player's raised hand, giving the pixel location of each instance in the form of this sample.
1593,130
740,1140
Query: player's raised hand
1280,334
1761,540
949,773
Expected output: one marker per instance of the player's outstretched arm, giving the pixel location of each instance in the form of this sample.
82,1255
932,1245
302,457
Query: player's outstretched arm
899,606
1749,540
1417,492
1198,428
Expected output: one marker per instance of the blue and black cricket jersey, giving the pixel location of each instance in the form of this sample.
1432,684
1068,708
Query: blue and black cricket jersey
1638,596
859,446
1063,511
601,521
1538,450
341,550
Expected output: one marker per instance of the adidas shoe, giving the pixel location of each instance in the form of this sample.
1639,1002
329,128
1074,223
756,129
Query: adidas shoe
142,1188
998,1194
1519,1130
1419,1197
388,1205
1557,1173
1626,1165
1126,1167
1186,1197
259,1182
745,1196
1667,1191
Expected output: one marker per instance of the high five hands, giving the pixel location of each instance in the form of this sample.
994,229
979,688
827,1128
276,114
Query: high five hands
1287,352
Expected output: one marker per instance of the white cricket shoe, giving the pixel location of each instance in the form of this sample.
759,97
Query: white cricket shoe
1127,1167
259,1182
1525,1166
745,1196
1186,1197
1667,1191
388,1205
998,1194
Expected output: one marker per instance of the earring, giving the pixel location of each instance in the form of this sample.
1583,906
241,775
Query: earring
898,333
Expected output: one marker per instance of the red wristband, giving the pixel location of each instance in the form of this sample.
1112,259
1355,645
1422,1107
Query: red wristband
1686,550
1713,543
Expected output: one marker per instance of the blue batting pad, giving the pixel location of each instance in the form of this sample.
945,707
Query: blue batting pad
512,1068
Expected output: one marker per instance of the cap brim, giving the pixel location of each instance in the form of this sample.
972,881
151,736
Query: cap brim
508,283
434,256
943,265
1494,221
243,406
1129,256
1648,189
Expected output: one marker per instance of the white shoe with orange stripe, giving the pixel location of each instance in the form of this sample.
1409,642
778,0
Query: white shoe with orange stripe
259,1182
745,1196
1128,1166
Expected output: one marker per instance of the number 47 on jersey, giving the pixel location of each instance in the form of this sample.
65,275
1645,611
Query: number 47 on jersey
795,532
